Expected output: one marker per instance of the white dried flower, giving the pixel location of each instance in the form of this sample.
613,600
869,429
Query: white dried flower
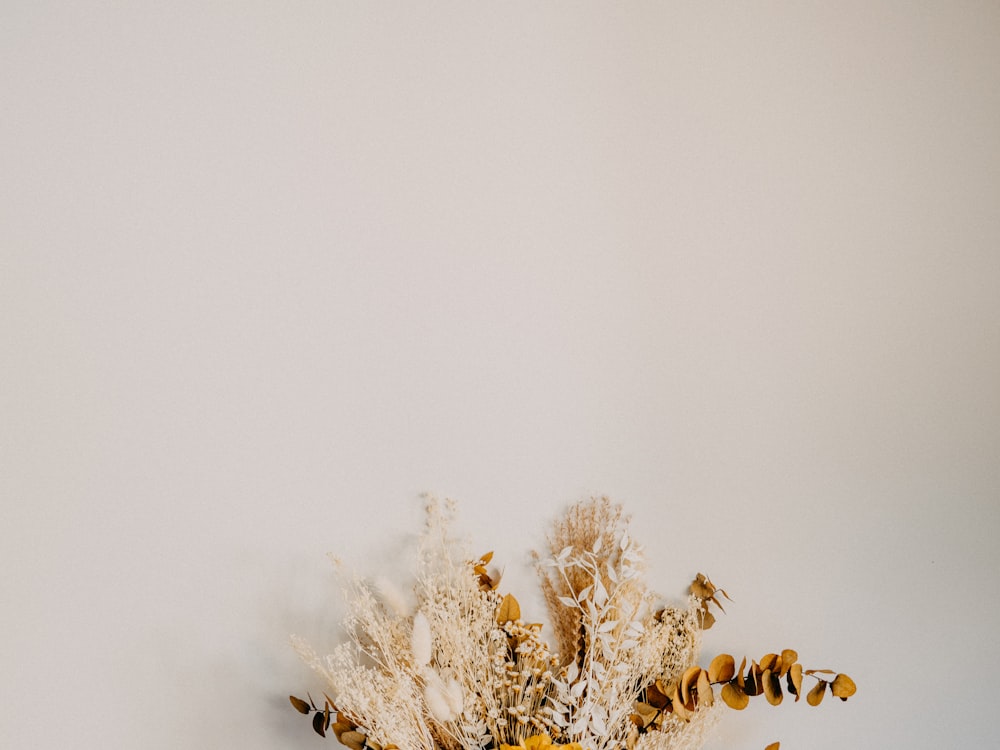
455,696
392,597
436,697
420,640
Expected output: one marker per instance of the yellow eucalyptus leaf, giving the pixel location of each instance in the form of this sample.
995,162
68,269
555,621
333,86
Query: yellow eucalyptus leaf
681,711
353,740
485,559
509,610
645,713
788,658
771,684
768,661
773,746
734,697
795,680
722,668
843,687
704,687
671,690
739,673
690,675
815,696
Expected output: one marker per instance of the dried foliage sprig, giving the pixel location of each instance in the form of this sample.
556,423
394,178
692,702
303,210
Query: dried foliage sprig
461,669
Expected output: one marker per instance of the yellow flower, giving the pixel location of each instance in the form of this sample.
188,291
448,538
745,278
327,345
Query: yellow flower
541,742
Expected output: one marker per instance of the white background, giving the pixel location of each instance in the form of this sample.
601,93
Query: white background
268,271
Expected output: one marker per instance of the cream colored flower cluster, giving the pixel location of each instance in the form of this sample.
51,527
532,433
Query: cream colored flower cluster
454,667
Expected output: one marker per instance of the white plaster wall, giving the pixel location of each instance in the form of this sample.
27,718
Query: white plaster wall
268,271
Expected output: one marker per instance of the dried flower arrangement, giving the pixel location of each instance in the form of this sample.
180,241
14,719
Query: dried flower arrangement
461,670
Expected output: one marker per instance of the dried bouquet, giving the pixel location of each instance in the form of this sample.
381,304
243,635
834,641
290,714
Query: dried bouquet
455,667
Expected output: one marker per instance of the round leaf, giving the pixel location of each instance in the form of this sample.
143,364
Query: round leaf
722,668
734,697
353,740
815,696
772,687
690,676
769,661
788,658
655,698
843,687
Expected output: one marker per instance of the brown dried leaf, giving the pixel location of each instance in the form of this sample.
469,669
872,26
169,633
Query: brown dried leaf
815,696
704,687
739,672
485,559
773,746
645,711
768,661
843,687
353,740
722,668
707,619
655,698
752,684
681,711
319,724
339,727
300,705
701,587
509,610
771,683
734,696
788,658
690,676
794,679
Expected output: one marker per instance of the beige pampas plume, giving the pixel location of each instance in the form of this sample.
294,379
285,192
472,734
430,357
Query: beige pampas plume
436,696
392,597
420,640
455,696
